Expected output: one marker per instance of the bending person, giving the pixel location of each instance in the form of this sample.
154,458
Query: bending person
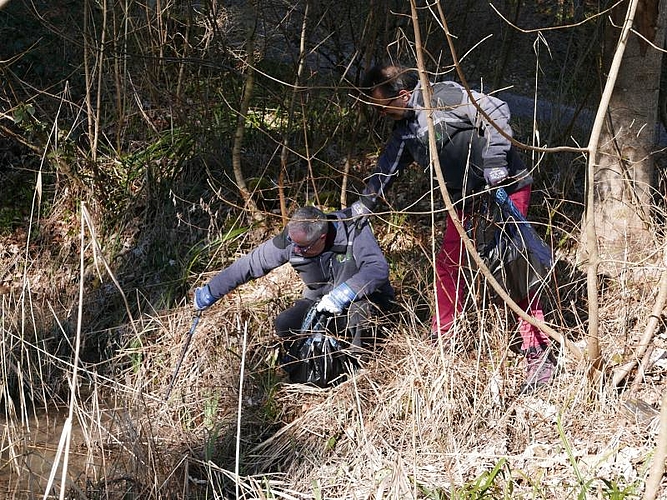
473,154
340,265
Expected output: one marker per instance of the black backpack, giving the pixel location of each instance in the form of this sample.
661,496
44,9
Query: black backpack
317,357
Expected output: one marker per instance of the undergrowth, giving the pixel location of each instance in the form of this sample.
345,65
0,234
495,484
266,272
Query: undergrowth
120,195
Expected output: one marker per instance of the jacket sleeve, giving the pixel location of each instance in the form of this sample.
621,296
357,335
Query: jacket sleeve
393,160
373,269
260,261
496,145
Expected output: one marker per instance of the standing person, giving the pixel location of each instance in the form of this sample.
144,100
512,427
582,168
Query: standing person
473,154
350,283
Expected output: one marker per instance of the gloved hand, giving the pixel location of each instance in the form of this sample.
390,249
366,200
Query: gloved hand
495,175
336,300
202,298
362,207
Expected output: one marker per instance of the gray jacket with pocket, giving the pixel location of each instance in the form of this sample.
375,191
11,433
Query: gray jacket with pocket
365,269
467,143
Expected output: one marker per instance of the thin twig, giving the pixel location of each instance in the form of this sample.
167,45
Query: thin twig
642,349
658,465
237,464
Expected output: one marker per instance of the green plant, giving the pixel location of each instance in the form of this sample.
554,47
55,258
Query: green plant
614,491
489,484
585,485
211,444
486,486
433,494
198,253
136,356
211,410
267,380
317,489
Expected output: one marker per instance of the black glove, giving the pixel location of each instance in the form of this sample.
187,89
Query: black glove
495,175
363,207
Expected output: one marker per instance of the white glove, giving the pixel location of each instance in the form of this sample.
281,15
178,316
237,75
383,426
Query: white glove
337,299
329,305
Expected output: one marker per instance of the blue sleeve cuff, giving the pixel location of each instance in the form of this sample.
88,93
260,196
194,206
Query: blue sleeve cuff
343,294
203,298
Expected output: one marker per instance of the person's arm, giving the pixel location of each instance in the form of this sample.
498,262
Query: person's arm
260,261
393,160
372,273
497,144
373,269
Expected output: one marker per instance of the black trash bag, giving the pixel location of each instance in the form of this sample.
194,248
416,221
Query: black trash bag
317,358
511,248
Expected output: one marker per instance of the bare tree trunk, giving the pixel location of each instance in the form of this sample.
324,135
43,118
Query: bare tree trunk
92,69
619,172
120,38
284,153
370,32
507,47
240,126
625,173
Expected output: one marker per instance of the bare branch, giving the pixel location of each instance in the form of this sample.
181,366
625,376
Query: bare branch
552,28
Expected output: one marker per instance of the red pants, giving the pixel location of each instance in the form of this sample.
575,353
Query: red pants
450,286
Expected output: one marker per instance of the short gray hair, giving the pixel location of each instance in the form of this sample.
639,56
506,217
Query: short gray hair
310,221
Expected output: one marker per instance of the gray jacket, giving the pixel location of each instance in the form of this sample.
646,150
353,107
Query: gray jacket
366,272
467,143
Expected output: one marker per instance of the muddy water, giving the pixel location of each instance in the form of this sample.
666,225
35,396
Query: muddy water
29,456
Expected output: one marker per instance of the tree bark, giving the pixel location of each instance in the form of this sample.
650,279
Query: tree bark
248,86
625,173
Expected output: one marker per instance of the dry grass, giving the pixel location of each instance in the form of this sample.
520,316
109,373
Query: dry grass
417,421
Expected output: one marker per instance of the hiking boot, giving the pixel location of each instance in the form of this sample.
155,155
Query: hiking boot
445,339
540,367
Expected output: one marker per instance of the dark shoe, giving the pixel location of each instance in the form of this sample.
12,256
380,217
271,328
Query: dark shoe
447,341
540,368
435,337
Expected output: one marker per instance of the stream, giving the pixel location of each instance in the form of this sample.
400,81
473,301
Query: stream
30,451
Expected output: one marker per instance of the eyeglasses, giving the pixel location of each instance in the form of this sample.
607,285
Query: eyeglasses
382,108
303,248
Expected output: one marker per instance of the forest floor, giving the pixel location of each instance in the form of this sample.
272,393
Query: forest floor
418,420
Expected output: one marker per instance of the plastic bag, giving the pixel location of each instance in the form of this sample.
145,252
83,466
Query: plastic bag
317,358
514,253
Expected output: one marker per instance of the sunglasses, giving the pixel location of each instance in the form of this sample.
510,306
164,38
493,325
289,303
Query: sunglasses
383,107
384,104
303,248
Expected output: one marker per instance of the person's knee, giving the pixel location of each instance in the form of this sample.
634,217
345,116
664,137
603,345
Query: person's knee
283,328
288,323
365,320
359,308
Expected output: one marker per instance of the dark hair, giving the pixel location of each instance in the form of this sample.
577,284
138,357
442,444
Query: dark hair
389,79
310,221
